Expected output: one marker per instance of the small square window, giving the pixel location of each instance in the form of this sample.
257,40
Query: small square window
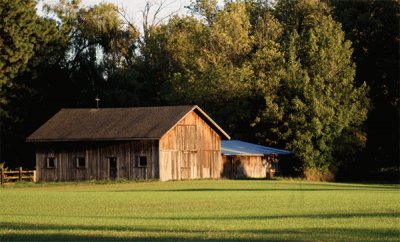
80,162
142,161
51,162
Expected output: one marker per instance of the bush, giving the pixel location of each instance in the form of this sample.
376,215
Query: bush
314,174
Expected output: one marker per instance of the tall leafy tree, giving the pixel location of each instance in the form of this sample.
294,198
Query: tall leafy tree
317,100
209,63
23,34
98,44
24,37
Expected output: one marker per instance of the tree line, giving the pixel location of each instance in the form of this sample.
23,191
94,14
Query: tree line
319,78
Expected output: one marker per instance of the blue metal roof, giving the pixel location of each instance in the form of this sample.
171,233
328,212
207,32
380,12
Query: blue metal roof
237,147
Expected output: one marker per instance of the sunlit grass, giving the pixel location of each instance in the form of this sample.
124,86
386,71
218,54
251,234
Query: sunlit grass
219,210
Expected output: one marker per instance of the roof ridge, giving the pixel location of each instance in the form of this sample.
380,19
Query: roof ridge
169,106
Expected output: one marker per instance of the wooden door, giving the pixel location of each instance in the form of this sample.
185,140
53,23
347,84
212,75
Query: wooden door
112,164
185,166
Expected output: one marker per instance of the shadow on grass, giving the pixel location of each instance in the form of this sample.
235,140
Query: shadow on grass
34,232
295,185
301,189
296,216
66,237
217,218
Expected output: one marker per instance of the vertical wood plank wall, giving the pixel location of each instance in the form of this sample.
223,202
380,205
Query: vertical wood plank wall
243,167
97,156
191,150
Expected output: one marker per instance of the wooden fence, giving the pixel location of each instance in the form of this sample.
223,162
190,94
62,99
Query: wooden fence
19,175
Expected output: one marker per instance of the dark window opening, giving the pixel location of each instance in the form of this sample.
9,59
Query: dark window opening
142,161
51,162
81,162
112,167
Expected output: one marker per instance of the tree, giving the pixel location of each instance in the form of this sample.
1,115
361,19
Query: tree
317,100
24,36
98,44
209,63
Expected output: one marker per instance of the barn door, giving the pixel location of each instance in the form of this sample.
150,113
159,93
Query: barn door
185,166
112,164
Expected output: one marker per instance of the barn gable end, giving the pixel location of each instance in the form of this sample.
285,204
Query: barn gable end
190,150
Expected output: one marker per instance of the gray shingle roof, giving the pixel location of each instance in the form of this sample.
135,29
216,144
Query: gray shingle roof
115,123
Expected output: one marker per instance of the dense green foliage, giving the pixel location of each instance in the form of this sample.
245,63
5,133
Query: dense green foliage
222,210
316,100
373,27
287,76
25,39
22,34
277,73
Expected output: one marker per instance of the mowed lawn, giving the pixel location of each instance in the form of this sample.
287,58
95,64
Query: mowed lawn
216,210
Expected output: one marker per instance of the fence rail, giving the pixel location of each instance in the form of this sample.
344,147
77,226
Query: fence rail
19,175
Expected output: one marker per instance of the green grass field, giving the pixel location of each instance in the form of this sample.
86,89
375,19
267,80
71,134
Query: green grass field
217,210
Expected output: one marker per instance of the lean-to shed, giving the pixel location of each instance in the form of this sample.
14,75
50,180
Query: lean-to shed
246,160
166,143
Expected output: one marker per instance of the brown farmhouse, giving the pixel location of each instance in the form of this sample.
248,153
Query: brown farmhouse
165,143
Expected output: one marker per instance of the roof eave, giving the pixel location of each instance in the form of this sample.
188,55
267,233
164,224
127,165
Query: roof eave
212,122
245,154
87,139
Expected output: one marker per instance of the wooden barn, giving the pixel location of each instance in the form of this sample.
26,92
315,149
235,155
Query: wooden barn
245,160
165,143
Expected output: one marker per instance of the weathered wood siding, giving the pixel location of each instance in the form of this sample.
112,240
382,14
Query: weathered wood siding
97,156
243,167
191,150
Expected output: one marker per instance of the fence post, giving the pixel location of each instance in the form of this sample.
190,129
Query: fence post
1,175
34,176
20,174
